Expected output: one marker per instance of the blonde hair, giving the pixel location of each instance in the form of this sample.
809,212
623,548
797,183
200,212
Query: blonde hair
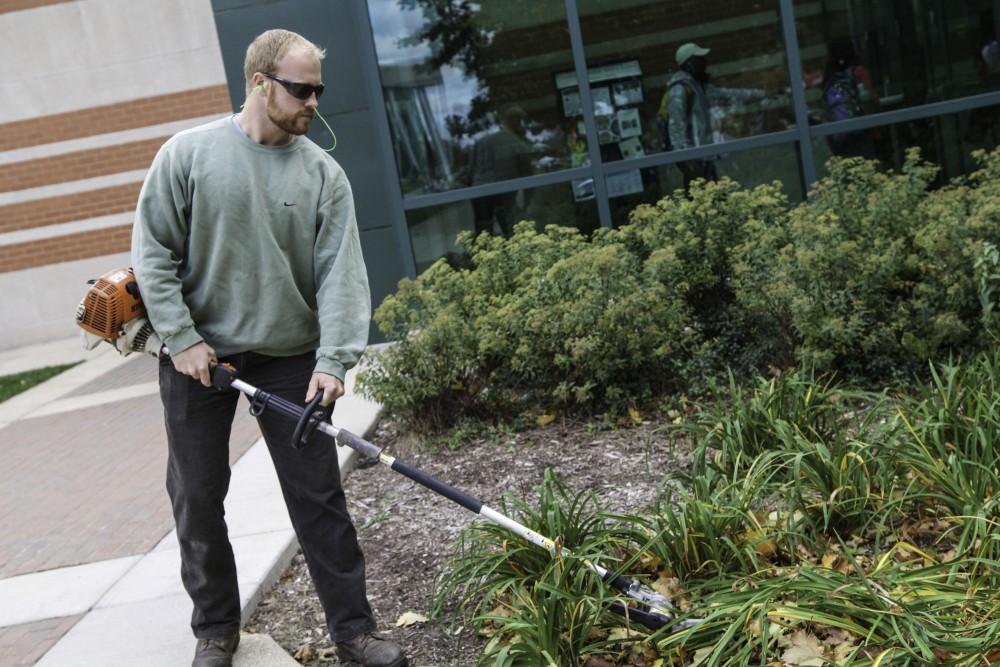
269,47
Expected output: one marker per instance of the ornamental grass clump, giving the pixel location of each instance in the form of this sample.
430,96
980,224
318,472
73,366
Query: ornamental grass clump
948,440
836,539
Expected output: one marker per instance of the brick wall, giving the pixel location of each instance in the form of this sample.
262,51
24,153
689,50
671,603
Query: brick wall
67,208
18,256
114,117
39,213
79,165
20,5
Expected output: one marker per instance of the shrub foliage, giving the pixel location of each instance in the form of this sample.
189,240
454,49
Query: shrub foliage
871,277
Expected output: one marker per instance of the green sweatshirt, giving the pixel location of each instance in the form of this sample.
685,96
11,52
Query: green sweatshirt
251,248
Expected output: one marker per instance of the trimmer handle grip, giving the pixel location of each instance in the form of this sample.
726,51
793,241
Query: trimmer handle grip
311,417
222,375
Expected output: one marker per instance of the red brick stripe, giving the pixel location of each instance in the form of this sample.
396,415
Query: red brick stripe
115,117
42,252
69,208
79,165
18,5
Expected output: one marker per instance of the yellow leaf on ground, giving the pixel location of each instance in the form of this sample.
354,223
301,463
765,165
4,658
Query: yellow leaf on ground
634,415
762,544
545,420
410,618
621,634
700,656
804,649
843,654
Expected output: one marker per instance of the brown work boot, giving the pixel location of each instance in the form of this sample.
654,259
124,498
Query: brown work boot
215,652
368,650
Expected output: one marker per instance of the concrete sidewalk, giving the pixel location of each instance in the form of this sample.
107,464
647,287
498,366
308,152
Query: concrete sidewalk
89,564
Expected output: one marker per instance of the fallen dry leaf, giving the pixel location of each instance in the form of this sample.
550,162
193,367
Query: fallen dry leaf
804,649
409,618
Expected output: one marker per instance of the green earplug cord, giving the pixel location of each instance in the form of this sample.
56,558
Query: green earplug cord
329,129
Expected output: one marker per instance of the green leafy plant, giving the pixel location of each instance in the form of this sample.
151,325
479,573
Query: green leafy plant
703,525
859,530
947,440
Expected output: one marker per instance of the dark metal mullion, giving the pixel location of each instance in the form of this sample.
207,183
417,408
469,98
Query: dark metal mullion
701,152
377,103
486,189
587,105
567,175
807,159
908,114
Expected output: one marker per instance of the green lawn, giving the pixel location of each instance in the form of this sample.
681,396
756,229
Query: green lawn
11,385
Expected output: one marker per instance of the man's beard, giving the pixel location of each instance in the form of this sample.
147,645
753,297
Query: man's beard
293,123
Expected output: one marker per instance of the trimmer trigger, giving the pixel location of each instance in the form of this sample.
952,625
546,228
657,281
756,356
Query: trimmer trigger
222,375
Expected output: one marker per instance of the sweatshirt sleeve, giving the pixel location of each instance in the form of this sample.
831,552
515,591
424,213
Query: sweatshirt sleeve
342,296
159,237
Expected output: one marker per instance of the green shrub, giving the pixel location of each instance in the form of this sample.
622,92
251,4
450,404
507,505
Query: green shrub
692,245
539,321
871,277
875,273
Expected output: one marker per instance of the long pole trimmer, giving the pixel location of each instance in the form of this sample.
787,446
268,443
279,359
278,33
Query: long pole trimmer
112,311
657,610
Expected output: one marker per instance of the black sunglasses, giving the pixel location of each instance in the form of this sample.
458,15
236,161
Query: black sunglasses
303,91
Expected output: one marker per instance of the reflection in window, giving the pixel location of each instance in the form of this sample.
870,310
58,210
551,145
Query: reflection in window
469,90
433,229
862,56
948,141
670,77
749,168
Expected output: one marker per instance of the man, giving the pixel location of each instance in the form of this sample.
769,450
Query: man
246,250
688,104
500,156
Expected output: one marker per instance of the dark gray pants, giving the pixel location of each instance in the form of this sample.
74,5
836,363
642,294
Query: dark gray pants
199,421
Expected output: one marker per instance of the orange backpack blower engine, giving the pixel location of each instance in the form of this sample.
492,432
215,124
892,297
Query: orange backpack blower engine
111,311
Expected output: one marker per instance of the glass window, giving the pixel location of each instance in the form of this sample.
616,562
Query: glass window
668,76
861,57
469,90
749,168
433,229
947,140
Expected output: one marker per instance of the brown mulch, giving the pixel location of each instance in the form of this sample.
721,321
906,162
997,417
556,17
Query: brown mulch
407,531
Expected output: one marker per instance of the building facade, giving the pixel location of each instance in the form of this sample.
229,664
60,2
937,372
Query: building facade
92,89
455,116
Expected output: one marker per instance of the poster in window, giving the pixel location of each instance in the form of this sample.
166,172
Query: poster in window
624,183
571,103
602,101
627,92
606,129
631,148
628,123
